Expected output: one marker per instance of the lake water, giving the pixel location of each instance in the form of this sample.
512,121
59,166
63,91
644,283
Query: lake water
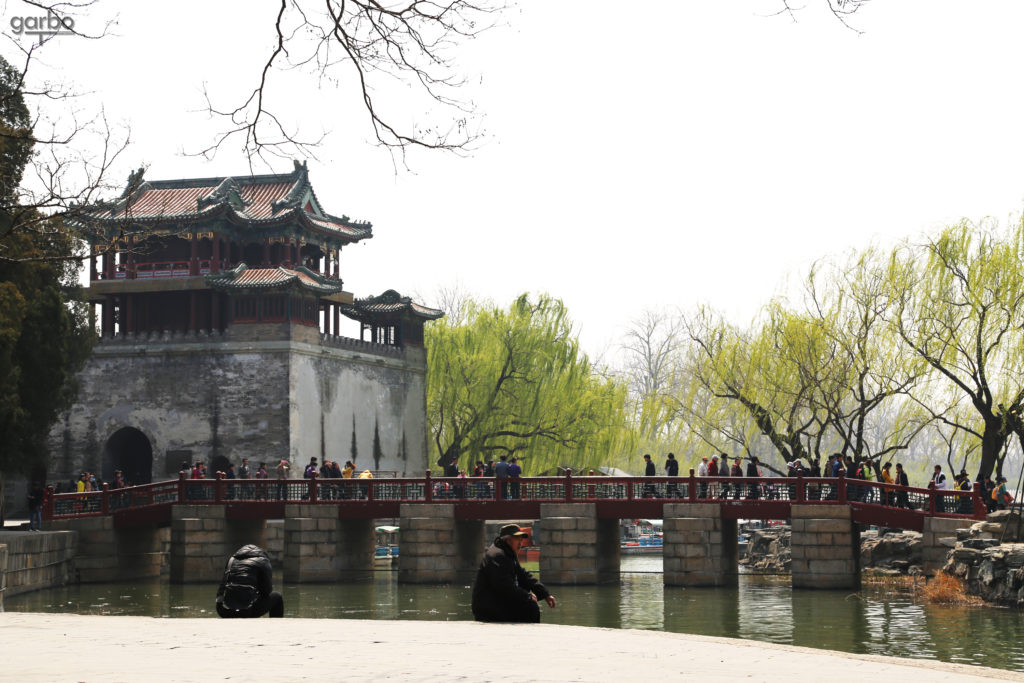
873,621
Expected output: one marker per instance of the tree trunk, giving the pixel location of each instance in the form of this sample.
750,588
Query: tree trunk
992,441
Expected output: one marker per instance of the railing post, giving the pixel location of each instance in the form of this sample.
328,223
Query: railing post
841,493
105,501
980,509
801,495
568,485
313,497
692,486
428,490
218,489
48,504
931,501
181,487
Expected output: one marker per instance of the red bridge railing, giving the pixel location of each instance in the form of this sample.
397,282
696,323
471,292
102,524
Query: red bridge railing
744,492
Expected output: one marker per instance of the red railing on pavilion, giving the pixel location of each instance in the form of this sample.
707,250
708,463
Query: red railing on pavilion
873,502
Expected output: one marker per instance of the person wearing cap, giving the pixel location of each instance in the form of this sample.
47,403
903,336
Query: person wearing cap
503,590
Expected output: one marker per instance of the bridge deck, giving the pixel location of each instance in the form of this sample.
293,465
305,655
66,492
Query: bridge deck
487,498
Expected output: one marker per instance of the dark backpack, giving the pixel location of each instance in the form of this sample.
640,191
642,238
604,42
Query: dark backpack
238,597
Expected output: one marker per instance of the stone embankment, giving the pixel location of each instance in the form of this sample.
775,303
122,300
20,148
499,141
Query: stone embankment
31,561
989,557
886,550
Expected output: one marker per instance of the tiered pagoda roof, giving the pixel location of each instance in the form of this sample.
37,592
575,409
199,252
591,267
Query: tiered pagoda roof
390,304
259,201
245,278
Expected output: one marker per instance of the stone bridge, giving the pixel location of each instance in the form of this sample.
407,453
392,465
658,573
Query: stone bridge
328,525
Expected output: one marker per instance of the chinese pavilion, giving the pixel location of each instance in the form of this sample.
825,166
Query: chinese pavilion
219,313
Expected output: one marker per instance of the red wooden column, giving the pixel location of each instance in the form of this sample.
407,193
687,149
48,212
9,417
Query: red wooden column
129,268
108,263
193,264
337,319
93,272
215,262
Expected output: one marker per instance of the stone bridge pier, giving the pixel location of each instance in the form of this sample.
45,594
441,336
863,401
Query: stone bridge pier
825,543
435,547
578,548
699,545
320,548
202,539
938,537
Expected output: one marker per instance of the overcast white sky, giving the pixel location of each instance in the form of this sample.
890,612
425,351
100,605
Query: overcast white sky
638,155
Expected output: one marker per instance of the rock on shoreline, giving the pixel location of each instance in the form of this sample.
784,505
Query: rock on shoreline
889,550
992,570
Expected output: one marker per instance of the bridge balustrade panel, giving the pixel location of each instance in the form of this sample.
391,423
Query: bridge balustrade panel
67,505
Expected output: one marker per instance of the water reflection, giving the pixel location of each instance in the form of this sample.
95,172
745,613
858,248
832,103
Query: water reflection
875,621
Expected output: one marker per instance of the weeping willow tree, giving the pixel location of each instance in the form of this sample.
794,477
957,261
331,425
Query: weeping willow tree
514,382
958,305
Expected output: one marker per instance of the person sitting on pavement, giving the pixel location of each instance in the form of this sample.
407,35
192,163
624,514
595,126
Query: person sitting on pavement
503,590
247,588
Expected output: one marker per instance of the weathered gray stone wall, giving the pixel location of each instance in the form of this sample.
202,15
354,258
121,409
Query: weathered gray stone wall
339,390
33,561
199,397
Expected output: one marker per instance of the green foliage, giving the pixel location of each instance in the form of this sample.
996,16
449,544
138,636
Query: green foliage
515,382
44,338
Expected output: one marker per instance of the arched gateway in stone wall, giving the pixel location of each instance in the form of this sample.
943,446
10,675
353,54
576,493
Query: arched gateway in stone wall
218,312
128,450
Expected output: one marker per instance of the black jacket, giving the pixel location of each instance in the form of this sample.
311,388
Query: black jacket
649,470
251,567
672,467
501,582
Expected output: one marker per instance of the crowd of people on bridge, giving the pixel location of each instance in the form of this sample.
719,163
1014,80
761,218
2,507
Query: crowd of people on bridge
853,470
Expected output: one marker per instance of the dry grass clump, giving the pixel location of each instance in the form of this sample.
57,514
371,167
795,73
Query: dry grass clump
945,589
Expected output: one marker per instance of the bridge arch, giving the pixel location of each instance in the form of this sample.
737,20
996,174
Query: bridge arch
130,451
